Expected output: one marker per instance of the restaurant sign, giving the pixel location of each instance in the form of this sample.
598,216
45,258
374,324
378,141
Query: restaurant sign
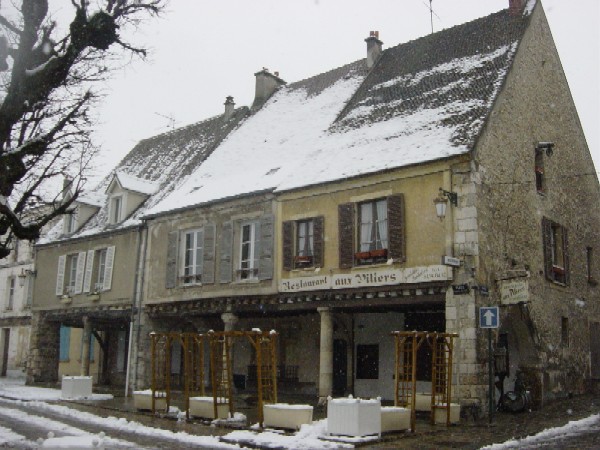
514,291
367,278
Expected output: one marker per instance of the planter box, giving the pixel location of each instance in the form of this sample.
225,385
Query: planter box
440,414
353,417
283,415
76,387
394,418
143,400
203,407
422,402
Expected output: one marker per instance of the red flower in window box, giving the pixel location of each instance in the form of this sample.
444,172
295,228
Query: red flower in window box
381,253
302,261
362,255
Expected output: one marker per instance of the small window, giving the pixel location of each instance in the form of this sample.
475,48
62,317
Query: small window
116,206
556,254
367,362
193,253
373,232
564,332
248,268
11,293
589,256
540,182
71,221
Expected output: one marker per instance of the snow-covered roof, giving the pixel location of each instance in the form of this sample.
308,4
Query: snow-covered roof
423,100
154,167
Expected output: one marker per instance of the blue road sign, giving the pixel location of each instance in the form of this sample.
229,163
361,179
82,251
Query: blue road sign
489,317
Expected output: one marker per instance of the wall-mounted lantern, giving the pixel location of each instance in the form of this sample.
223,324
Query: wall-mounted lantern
441,202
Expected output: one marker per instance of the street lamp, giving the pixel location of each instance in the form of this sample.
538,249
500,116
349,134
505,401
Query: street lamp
441,202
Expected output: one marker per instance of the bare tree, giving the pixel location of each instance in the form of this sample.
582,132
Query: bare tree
46,99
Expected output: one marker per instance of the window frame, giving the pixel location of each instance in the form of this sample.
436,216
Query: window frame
194,277
556,252
540,180
372,249
100,265
11,288
304,257
71,271
250,272
116,214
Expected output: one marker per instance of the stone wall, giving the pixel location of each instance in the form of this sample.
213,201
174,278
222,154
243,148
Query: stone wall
43,350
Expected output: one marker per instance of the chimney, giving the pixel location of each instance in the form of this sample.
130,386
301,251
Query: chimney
266,84
515,7
229,107
373,48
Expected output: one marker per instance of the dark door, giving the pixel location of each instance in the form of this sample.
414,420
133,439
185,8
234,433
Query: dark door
424,321
5,339
340,367
595,349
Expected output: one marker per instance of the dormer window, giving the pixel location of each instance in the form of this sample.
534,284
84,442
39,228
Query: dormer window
116,209
71,221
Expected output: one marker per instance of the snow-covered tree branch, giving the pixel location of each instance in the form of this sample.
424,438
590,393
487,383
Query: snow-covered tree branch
46,97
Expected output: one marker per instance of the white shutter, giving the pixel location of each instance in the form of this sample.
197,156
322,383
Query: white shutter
80,272
60,274
89,266
108,268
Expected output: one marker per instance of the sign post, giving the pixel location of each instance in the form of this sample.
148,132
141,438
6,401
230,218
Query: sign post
489,318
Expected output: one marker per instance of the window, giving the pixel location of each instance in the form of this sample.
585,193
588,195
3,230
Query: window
303,243
248,268
11,293
71,278
71,221
564,331
367,362
540,182
116,206
101,270
372,232
556,259
65,341
589,255
192,256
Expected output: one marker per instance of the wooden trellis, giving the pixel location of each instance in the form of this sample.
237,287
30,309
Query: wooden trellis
220,346
407,344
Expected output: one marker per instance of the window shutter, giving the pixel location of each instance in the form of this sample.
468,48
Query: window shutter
225,268
172,247
60,274
65,341
265,262
396,228
89,265
346,234
80,272
108,268
288,244
208,261
547,241
318,240
566,255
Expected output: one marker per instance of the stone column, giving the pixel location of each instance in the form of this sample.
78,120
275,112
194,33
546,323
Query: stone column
85,351
325,355
229,319
43,350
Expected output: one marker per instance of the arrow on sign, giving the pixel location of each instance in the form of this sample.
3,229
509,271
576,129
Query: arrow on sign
489,317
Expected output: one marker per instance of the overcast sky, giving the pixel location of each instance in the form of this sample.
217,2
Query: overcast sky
202,51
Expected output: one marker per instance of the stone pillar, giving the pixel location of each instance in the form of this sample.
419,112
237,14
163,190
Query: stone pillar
85,351
229,320
43,350
325,355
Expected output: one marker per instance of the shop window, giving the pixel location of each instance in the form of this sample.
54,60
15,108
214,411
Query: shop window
367,362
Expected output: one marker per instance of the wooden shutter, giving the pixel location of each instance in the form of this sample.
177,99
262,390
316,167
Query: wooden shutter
172,247
287,251
80,272
318,241
89,266
265,262
108,268
226,250
208,260
60,274
547,245
346,234
396,228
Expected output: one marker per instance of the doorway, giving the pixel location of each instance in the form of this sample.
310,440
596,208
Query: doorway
340,367
5,346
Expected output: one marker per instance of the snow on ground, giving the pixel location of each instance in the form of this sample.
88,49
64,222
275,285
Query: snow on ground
8,436
15,388
573,428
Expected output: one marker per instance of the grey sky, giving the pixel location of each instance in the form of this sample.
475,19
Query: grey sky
202,51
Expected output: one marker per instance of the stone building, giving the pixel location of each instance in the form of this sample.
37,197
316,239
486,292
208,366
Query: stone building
402,191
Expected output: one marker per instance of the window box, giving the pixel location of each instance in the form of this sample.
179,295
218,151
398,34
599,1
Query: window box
558,270
371,257
303,261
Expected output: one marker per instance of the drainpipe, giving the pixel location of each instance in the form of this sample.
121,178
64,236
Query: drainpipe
138,290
